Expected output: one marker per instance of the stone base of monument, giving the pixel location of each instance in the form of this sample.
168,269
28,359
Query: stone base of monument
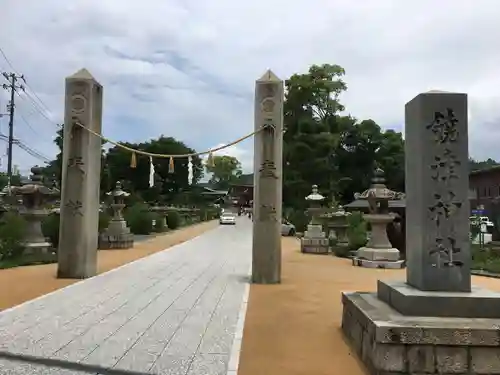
401,330
314,240
367,263
37,248
38,252
117,236
378,258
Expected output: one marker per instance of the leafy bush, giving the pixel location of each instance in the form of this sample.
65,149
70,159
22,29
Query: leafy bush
160,226
12,232
50,228
139,219
104,219
341,251
173,219
356,231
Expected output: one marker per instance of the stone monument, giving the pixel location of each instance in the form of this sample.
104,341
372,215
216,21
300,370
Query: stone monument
314,240
117,235
268,168
378,252
35,196
435,322
78,237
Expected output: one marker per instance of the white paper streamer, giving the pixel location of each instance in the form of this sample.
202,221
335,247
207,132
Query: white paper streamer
151,173
190,170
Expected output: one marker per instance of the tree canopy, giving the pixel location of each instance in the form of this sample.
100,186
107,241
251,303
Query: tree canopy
324,147
225,170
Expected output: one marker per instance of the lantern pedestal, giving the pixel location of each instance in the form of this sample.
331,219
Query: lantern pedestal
314,240
117,235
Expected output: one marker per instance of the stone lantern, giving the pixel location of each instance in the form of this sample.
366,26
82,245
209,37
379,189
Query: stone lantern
35,197
117,235
336,223
378,252
314,240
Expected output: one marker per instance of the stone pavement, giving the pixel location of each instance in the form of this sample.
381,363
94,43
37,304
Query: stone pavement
180,311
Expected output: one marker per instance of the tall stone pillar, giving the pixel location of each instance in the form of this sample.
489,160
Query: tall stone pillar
78,231
437,188
268,180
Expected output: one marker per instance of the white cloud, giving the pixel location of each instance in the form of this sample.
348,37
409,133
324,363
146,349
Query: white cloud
187,68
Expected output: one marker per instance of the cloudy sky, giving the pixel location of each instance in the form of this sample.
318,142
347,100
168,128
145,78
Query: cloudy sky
186,68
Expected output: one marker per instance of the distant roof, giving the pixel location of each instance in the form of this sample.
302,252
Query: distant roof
476,172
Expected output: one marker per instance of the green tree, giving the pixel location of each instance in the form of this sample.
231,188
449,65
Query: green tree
4,180
338,153
475,165
225,169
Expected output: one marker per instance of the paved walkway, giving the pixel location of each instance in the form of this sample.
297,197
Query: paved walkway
176,312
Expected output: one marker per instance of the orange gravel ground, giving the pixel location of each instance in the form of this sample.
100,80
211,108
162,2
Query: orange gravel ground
25,283
294,328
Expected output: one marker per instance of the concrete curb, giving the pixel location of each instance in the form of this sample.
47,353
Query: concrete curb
234,358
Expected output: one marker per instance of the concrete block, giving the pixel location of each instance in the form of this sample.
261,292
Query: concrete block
421,359
451,360
479,303
485,360
393,343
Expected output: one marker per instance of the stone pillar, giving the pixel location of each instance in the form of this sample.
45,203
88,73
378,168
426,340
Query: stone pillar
268,178
437,187
78,237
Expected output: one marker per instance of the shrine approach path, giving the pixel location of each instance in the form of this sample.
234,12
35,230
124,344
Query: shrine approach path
175,312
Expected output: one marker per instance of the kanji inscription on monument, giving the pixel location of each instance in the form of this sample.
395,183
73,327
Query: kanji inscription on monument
437,182
266,263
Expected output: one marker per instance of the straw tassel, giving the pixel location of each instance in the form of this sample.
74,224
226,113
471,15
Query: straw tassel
171,165
190,170
133,161
210,160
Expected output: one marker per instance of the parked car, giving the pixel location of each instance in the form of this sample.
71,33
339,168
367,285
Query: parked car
477,220
227,218
287,228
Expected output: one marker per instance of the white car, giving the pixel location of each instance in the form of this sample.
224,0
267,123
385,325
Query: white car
477,220
227,218
287,228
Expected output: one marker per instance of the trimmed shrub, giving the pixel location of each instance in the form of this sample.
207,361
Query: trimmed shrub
139,219
104,219
12,232
356,231
173,219
50,228
160,226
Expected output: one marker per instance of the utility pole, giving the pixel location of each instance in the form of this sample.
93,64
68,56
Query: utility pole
12,85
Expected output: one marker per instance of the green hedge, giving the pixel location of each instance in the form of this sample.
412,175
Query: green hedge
356,231
139,219
12,232
174,219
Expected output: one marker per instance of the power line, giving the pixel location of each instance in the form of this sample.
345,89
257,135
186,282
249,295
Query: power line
35,103
31,151
12,85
